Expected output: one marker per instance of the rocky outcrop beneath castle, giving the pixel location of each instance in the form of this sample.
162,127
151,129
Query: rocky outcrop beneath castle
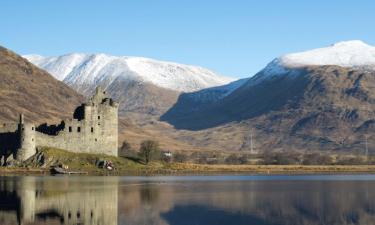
93,129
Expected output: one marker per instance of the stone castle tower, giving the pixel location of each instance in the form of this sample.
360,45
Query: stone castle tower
27,146
93,129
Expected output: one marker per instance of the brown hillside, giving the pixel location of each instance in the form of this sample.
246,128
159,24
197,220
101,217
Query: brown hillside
26,89
141,97
315,108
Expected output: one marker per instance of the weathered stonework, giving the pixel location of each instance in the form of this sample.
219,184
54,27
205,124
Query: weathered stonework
93,129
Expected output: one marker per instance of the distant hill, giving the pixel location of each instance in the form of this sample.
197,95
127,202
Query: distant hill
24,88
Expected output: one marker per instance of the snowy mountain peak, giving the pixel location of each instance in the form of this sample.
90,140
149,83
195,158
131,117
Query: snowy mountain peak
346,54
356,54
352,43
88,70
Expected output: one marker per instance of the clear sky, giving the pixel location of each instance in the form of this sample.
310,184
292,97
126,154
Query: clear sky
235,38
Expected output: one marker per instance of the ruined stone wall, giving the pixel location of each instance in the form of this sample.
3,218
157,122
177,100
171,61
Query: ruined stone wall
96,132
8,127
93,129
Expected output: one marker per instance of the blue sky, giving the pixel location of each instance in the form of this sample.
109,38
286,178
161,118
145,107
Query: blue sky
235,38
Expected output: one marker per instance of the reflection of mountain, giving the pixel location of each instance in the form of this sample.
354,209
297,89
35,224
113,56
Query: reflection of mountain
196,214
32,200
165,201
249,202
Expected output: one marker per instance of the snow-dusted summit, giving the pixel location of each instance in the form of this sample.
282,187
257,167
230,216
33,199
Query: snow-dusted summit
86,71
345,54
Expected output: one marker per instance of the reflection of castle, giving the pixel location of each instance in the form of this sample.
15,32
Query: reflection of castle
93,203
93,129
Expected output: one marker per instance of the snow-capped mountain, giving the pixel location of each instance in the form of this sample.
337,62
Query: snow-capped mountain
346,54
349,54
314,100
141,85
85,71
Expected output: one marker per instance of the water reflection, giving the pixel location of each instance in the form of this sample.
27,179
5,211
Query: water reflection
60,200
261,202
186,201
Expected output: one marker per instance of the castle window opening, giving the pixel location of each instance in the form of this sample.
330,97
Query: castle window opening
78,129
70,129
32,139
96,139
32,128
92,130
98,117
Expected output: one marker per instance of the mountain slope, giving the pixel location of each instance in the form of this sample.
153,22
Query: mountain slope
24,88
299,105
141,85
195,101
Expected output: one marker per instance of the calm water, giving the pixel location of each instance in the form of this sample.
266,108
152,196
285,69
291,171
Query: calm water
189,200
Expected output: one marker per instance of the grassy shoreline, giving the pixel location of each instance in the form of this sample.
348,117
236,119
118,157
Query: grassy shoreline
46,158
198,169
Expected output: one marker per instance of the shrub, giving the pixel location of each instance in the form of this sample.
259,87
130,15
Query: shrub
354,160
243,159
316,159
205,157
199,157
126,150
179,157
280,158
233,159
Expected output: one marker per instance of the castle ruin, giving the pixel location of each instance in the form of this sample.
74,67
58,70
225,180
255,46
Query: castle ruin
93,129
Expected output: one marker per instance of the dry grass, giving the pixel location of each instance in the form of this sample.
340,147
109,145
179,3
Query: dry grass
273,169
26,89
86,162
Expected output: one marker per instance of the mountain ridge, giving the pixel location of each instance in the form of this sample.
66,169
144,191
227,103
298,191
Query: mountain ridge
87,68
130,79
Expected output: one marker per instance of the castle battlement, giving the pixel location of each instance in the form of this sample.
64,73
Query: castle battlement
93,129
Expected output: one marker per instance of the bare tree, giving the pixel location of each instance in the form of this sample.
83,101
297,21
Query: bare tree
148,150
